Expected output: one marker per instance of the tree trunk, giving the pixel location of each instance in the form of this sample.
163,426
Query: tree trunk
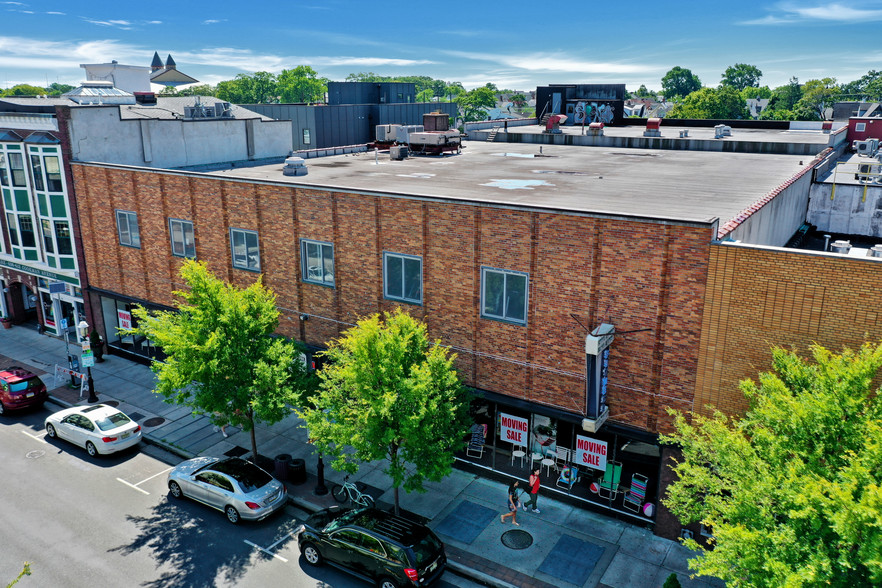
253,438
394,456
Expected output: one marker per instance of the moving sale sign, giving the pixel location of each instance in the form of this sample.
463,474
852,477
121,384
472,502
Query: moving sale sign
590,453
513,429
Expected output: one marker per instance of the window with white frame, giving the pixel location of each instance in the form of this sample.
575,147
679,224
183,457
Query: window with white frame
860,127
317,262
246,249
504,295
17,170
403,277
127,227
182,242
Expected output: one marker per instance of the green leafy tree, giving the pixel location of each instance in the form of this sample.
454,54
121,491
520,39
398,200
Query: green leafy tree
711,103
679,82
817,96
453,91
741,75
24,90
868,86
223,359
389,393
425,96
472,104
786,96
757,93
518,100
56,89
644,92
792,490
259,88
302,84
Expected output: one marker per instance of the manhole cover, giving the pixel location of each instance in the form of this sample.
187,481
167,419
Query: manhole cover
112,403
154,422
517,539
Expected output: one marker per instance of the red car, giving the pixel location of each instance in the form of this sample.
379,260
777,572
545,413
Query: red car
20,388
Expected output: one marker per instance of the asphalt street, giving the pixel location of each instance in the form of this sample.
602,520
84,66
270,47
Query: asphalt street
85,522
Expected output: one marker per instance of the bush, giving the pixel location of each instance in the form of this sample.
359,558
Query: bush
672,582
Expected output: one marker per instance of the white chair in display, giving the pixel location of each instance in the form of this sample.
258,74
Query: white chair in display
518,451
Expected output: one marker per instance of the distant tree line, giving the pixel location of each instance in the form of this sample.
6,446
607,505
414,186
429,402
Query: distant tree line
28,90
740,82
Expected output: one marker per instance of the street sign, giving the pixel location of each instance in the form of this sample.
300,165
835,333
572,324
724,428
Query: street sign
57,288
87,346
63,324
88,358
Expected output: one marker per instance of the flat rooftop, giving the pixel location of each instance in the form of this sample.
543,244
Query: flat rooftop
685,186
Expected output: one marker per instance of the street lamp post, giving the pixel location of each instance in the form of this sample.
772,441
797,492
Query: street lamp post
93,396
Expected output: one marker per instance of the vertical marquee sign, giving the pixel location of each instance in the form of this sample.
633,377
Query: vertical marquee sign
596,375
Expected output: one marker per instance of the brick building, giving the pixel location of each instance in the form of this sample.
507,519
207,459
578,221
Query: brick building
520,259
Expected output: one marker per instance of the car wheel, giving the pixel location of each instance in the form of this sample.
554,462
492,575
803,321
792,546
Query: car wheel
90,447
339,493
175,490
50,431
2,409
232,515
386,582
311,555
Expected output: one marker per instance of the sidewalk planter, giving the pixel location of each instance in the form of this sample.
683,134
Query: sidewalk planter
6,322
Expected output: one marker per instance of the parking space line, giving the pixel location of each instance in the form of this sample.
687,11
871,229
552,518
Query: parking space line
153,476
273,546
132,486
37,437
275,555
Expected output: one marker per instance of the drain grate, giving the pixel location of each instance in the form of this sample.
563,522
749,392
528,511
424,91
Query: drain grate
517,539
136,416
153,422
112,403
236,452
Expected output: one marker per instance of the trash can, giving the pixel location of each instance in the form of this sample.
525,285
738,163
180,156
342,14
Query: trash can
280,471
297,471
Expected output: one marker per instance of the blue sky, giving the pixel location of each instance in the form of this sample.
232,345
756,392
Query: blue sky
513,44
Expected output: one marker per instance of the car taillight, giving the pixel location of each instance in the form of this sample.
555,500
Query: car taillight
109,439
412,574
252,505
138,428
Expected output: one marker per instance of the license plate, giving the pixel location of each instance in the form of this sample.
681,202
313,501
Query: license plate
124,435
29,395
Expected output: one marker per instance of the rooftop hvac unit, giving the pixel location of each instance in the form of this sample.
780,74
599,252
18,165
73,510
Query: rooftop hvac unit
223,110
398,152
294,166
721,131
868,147
875,251
840,246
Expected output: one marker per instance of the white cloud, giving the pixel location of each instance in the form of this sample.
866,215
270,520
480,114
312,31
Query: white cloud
24,53
154,22
833,12
58,13
213,21
120,24
558,62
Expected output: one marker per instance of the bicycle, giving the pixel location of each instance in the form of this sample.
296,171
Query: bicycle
350,490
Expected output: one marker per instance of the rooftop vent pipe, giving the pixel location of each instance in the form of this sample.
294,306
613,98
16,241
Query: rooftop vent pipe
840,246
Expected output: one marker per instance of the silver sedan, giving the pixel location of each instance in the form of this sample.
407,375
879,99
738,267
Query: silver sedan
235,486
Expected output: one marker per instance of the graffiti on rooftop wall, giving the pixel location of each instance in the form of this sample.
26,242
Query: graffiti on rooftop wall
590,112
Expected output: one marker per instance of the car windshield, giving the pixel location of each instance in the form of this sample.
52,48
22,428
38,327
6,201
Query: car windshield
112,421
427,549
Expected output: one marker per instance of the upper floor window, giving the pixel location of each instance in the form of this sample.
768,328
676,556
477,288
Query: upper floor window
403,277
17,169
127,227
860,127
246,249
317,262
182,242
4,175
504,295
53,174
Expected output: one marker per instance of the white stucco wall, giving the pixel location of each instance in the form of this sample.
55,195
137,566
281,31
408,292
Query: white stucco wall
853,209
775,222
98,134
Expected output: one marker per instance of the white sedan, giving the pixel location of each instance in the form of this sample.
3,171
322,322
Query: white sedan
101,429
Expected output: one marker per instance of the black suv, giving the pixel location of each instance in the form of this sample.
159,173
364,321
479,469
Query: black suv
379,547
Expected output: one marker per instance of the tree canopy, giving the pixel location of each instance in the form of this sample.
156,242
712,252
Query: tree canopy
223,359
793,490
679,81
473,103
711,103
301,84
388,393
741,75
261,87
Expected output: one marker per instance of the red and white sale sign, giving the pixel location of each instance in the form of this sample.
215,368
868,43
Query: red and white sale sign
125,319
513,429
590,453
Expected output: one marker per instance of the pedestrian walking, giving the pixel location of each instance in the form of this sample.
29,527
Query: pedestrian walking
534,490
513,493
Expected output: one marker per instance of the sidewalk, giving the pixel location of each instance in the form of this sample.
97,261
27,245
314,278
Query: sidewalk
564,546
